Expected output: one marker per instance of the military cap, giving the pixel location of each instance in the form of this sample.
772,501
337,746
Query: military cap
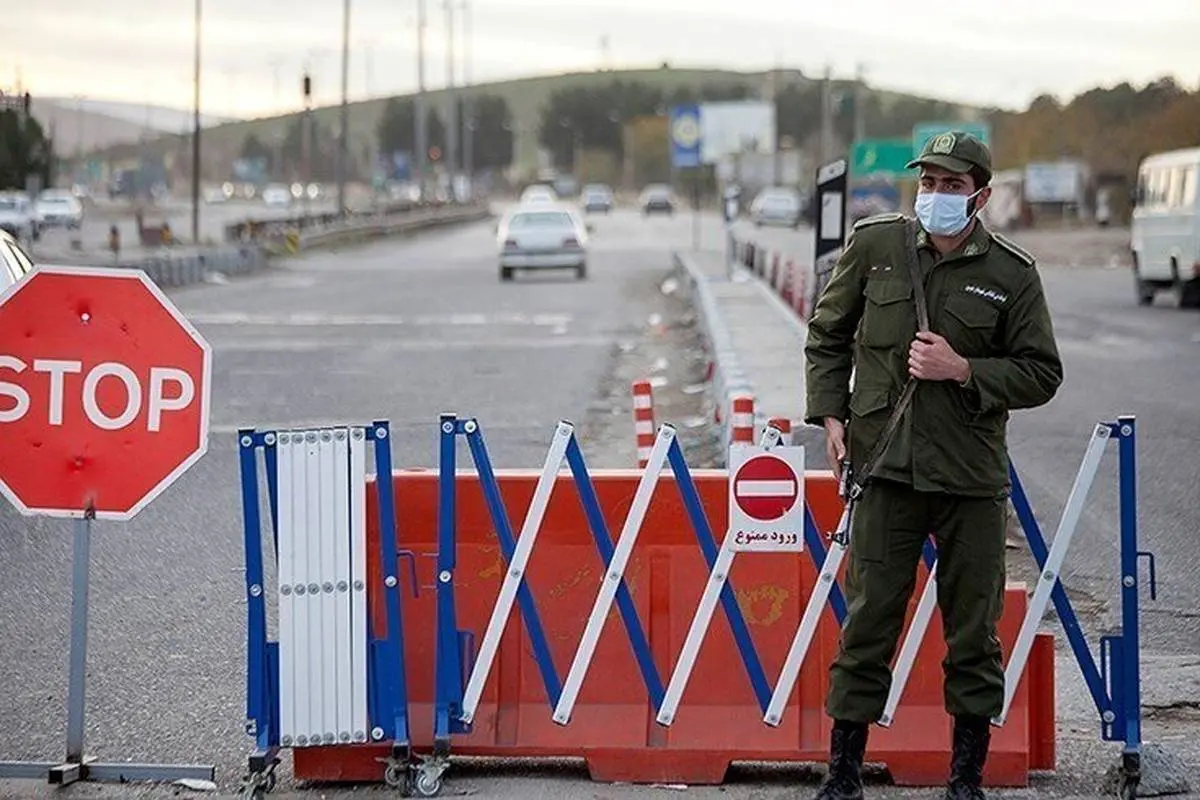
956,151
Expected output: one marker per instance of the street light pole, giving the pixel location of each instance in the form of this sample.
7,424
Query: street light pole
343,144
452,98
468,159
421,136
196,134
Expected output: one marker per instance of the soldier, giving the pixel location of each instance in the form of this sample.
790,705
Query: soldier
946,329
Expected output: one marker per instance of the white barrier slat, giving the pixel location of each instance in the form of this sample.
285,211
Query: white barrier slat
286,580
358,583
808,627
325,585
613,575
696,633
340,576
312,595
911,646
516,569
1072,512
301,688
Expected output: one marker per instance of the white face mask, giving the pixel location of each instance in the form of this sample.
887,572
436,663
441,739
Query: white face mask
944,214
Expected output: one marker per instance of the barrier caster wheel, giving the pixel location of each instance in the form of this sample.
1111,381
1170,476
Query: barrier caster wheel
428,785
396,776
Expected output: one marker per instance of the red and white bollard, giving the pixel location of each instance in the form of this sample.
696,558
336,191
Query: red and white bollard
741,419
784,426
643,420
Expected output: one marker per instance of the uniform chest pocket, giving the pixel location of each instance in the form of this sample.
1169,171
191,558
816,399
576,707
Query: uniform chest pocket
971,324
888,315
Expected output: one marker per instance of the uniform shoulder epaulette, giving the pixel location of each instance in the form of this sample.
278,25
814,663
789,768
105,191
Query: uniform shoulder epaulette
877,219
1014,249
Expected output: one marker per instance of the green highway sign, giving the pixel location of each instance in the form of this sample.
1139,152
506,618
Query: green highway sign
880,157
924,131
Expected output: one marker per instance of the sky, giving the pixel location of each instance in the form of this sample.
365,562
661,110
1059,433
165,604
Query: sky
988,52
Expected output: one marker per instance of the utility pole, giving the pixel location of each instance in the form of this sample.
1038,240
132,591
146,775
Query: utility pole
860,114
777,165
421,136
306,143
196,133
344,133
451,98
826,117
468,159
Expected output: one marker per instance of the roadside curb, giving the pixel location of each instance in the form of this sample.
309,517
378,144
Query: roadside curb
730,371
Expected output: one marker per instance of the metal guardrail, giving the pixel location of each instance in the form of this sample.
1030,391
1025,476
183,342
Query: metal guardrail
256,230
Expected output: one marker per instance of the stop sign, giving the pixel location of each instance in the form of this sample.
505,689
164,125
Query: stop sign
766,488
104,392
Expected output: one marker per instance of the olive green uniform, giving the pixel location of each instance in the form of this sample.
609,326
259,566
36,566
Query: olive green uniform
946,470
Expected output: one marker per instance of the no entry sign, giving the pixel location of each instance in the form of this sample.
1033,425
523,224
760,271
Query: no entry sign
104,392
766,498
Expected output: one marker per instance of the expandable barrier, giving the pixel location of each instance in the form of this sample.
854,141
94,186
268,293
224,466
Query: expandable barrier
750,688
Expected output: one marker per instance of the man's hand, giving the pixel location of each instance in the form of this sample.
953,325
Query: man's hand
835,445
931,358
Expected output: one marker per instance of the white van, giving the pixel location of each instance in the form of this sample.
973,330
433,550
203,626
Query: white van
1165,235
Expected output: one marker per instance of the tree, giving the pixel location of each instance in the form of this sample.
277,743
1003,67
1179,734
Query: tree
493,138
24,150
322,154
591,118
397,127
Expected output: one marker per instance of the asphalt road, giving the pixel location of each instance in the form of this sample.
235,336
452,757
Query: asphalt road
398,330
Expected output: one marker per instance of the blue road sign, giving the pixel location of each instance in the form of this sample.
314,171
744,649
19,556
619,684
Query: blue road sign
685,136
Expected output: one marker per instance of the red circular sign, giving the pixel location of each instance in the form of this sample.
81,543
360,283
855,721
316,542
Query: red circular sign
103,392
766,487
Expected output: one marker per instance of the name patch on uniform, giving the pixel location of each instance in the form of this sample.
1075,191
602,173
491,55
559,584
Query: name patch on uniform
990,294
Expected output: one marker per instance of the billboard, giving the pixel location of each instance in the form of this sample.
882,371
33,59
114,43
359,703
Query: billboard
686,136
1058,182
736,127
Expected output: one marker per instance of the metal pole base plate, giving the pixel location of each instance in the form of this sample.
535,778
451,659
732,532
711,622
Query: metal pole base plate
63,774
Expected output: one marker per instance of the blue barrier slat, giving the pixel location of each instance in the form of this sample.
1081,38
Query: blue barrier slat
393,666
1131,692
447,670
603,539
271,460
816,550
1062,603
733,613
529,612
929,553
257,694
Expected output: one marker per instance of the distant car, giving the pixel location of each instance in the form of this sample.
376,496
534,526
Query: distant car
14,262
542,237
59,208
597,197
778,205
538,193
277,195
18,217
657,198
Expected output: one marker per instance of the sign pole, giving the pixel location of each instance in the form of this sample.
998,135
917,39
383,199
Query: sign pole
79,630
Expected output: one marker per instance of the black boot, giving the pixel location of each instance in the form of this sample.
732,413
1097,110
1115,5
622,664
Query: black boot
971,738
847,745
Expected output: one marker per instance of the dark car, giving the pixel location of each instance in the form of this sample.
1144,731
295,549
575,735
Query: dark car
657,198
597,197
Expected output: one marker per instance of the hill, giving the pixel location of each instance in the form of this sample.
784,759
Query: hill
85,125
526,98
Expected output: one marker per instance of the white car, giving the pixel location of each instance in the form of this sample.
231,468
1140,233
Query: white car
18,217
538,193
778,205
277,195
14,262
59,208
542,237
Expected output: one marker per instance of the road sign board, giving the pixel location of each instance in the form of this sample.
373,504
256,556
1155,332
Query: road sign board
766,498
924,131
685,136
880,157
104,392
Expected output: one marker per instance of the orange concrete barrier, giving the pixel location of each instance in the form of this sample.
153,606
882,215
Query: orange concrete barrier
613,726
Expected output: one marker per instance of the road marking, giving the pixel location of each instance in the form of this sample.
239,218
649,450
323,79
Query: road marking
293,345
314,319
